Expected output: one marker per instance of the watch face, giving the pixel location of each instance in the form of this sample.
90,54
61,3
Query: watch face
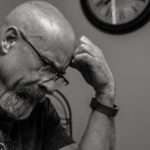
122,14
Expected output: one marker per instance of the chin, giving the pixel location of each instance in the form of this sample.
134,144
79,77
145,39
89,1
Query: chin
21,111
19,102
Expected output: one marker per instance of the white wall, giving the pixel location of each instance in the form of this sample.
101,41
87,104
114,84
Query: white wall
128,57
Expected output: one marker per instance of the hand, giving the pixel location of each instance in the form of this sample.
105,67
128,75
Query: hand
90,61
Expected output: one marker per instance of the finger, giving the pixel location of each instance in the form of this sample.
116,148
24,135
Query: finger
85,40
87,60
82,58
84,49
81,61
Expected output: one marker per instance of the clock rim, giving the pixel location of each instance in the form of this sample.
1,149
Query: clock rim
128,27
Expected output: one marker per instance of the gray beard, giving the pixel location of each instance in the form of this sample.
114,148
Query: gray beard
19,102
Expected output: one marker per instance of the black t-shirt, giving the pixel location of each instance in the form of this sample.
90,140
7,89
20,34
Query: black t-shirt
41,131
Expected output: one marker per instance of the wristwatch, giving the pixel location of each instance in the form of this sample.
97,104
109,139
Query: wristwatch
109,111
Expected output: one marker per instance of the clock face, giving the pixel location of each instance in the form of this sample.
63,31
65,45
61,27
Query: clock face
117,13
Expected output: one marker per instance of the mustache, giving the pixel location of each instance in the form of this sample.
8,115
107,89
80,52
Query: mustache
29,93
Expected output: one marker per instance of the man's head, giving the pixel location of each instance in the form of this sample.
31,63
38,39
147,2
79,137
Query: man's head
33,35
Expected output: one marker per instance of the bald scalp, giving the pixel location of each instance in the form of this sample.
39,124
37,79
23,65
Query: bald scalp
47,29
27,16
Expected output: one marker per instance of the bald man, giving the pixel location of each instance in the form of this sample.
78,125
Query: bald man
37,45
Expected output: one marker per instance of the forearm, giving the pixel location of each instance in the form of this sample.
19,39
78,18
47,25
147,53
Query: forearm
100,131
98,135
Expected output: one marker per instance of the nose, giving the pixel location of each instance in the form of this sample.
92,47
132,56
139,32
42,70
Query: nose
52,85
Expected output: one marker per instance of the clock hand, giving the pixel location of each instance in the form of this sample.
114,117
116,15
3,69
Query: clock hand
107,2
102,3
134,9
113,8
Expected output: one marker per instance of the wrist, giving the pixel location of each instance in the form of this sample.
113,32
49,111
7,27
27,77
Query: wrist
105,100
107,110
106,96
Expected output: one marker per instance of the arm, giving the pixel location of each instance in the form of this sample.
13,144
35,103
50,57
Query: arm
100,131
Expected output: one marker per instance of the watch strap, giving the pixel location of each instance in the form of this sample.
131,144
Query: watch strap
109,111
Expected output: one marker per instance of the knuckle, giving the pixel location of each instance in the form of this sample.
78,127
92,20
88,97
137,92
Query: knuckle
84,47
83,37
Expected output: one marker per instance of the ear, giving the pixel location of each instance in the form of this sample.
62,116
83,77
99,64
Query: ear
9,39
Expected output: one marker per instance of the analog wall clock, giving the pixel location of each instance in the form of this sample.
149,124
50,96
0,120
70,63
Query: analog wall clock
117,16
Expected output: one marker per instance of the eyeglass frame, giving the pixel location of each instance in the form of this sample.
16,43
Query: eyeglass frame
58,75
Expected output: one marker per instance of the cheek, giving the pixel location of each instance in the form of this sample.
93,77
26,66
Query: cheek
27,60
16,65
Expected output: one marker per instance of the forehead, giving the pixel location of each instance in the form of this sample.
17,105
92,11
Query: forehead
54,50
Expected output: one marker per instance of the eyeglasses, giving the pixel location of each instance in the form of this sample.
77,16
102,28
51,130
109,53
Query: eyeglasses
53,74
